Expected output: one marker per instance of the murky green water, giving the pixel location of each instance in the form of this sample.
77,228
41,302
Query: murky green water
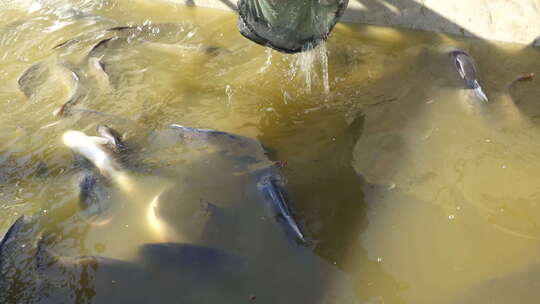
428,197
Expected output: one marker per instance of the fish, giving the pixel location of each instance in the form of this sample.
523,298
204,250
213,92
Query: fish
93,148
52,77
168,37
97,71
467,70
40,78
190,256
17,248
171,272
94,198
241,165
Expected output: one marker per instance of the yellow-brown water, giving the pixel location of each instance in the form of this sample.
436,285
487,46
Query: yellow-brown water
436,202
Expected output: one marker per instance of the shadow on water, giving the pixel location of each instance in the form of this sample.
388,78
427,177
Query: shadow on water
390,12
400,13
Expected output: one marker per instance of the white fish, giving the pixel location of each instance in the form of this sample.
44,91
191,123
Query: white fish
92,148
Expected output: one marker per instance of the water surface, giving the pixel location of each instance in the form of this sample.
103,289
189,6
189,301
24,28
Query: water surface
429,197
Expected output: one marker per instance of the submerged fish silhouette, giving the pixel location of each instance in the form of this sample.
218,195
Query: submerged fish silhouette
168,271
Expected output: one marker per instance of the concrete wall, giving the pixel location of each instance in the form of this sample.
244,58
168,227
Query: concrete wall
516,21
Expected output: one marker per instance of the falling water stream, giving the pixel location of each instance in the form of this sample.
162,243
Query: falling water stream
312,65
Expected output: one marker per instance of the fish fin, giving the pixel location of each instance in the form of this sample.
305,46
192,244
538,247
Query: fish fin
276,194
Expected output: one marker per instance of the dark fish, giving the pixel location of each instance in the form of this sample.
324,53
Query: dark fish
231,144
467,71
9,237
189,256
259,172
17,263
94,202
31,273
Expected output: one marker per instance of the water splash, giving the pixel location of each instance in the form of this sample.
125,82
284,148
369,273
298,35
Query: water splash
229,92
268,61
312,65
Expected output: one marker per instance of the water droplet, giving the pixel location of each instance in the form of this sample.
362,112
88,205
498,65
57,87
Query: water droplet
229,92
